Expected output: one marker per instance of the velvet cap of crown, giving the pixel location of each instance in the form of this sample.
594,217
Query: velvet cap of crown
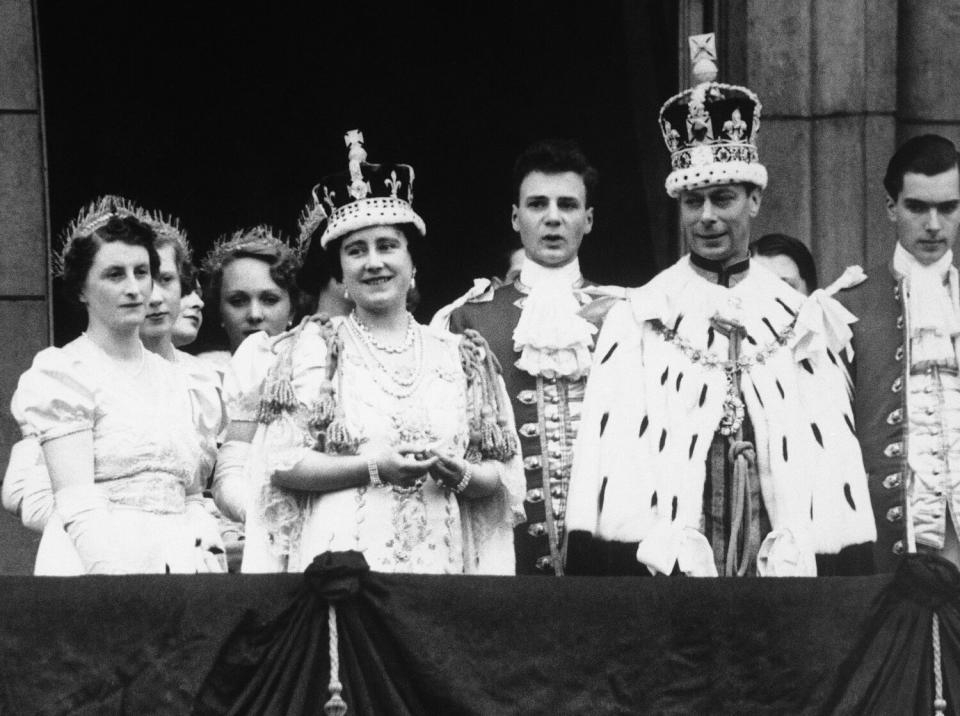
711,129
365,195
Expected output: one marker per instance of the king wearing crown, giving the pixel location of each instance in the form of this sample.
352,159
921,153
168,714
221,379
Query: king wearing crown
716,435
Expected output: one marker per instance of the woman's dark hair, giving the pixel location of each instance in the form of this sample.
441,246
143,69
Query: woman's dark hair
794,249
259,244
414,241
318,264
81,251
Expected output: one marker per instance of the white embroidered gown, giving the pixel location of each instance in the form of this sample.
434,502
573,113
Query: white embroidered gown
421,531
148,451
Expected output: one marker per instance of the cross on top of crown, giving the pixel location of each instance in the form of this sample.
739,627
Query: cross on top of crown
703,57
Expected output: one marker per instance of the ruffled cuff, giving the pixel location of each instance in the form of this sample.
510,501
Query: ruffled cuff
667,545
782,554
695,558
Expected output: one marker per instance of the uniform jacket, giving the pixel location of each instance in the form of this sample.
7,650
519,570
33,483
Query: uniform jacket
547,415
879,373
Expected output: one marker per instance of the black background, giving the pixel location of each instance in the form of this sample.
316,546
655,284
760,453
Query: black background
226,114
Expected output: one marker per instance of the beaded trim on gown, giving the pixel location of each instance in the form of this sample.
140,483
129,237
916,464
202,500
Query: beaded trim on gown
423,530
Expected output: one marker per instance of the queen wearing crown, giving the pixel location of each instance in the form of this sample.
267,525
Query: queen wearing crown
372,432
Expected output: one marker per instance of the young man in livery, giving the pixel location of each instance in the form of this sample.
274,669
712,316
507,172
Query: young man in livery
905,361
541,327
716,435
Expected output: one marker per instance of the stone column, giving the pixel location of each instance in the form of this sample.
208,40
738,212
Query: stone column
24,275
928,97
825,71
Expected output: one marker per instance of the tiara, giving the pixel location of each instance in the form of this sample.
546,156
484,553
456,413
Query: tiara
96,215
92,217
167,228
256,239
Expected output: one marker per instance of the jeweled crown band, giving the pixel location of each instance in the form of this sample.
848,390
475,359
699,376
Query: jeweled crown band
709,154
370,212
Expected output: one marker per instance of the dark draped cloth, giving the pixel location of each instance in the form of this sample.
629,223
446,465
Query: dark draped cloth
409,644
890,669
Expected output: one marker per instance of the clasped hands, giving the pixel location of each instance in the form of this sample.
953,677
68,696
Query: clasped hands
406,464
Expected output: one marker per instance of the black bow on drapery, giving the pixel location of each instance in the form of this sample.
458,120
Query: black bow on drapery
893,669
284,666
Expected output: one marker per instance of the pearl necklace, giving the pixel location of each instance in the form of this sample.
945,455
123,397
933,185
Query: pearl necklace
399,384
370,339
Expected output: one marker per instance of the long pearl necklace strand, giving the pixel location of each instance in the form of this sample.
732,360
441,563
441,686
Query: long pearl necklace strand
398,383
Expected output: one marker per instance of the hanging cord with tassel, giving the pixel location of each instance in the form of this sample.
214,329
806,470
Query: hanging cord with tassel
743,522
334,436
335,705
939,703
277,396
490,438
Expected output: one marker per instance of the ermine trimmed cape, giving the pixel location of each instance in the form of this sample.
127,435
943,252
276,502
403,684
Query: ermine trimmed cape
651,411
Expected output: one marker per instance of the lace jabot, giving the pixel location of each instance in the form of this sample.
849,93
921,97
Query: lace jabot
931,298
553,339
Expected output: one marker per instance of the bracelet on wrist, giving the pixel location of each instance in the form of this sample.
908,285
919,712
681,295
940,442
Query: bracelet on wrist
465,480
374,471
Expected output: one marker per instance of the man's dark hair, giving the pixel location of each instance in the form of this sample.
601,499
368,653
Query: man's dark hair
555,156
928,154
794,249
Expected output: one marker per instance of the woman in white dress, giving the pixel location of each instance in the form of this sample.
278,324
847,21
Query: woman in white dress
117,423
174,315
372,432
250,280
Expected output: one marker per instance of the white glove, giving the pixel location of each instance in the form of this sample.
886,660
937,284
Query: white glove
230,480
85,513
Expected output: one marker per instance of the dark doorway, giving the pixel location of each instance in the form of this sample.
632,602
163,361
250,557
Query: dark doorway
226,116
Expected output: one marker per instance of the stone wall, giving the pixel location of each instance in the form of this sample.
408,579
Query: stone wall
842,83
24,281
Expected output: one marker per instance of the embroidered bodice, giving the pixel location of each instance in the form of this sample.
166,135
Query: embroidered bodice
146,450
416,531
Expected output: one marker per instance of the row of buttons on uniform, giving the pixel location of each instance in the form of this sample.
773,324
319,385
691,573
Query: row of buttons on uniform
532,430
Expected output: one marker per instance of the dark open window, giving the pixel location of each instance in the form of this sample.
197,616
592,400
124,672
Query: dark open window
226,116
